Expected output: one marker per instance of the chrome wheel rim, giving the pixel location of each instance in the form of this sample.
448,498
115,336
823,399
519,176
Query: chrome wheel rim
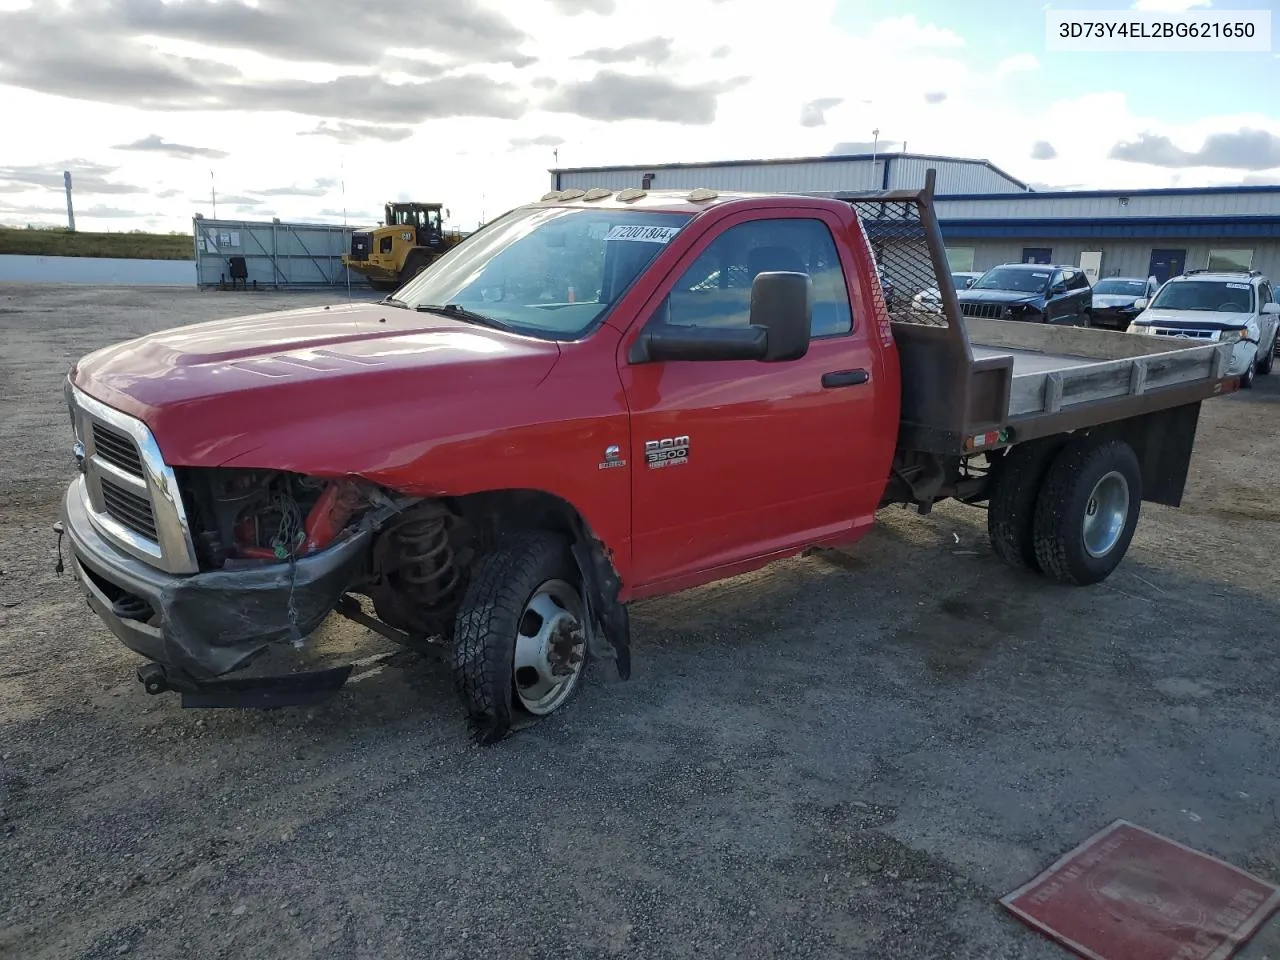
550,647
1105,514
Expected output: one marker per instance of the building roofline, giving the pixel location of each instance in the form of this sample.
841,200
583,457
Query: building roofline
1104,194
783,161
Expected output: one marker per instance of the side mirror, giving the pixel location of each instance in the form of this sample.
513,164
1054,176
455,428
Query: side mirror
777,330
1140,304
782,303
1057,288
671,342
1271,309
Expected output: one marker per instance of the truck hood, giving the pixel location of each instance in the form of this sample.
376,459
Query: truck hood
203,388
1193,319
1107,301
998,296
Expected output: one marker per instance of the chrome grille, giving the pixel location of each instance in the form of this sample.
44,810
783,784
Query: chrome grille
1183,333
986,311
117,449
129,492
130,509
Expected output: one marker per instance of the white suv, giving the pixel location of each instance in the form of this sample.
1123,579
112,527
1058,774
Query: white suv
1217,305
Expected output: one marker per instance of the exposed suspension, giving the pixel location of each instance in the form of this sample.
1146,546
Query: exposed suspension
428,566
420,565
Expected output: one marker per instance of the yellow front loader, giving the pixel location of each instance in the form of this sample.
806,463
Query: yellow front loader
394,252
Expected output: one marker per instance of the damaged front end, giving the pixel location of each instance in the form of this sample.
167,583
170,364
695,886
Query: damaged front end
273,553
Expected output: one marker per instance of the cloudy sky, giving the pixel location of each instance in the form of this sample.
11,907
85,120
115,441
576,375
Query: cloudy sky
303,108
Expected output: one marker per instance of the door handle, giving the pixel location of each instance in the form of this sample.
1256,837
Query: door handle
845,378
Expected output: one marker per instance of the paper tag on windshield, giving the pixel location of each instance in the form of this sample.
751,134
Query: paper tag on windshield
644,234
1237,286
1040,276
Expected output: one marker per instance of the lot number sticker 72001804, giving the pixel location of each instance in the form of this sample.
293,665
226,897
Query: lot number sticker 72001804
642,233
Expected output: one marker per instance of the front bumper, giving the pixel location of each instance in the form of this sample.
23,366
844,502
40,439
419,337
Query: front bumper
206,625
1112,319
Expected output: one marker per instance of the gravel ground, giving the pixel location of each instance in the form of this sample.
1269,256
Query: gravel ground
847,755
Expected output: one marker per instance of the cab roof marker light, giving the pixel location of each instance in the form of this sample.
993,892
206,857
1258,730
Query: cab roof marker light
597,193
631,194
572,194
553,195
702,194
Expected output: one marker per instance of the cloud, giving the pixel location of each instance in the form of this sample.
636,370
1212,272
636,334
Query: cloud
543,140
574,7
655,50
855,147
319,31
156,144
1018,63
1043,150
719,53
360,216
91,51
86,177
1246,149
908,33
619,96
317,190
1169,6
231,199
935,96
349,133
97,211
814,113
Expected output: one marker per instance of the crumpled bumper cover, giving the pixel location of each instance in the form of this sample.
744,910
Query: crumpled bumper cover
206,625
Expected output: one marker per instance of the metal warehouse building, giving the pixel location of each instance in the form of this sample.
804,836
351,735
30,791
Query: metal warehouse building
989,217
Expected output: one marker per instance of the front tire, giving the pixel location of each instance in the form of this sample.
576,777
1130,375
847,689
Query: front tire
519,636
1246,378
1265,362
1087,511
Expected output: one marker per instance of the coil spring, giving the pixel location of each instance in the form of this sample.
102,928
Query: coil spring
427,558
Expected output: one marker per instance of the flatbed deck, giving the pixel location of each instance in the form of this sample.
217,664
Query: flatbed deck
1028,362
1057,369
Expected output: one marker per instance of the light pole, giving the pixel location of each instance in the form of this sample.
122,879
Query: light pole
213,195
71,214
875,143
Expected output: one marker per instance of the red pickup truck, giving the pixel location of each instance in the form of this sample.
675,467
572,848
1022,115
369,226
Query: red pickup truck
598,397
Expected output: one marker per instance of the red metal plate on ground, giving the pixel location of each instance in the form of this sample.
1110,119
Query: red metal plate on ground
1129,894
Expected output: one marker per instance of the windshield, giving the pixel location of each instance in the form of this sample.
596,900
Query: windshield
1024,281
1215,296
545,271
1121,288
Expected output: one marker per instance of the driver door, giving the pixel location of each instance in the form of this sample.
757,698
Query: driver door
735,460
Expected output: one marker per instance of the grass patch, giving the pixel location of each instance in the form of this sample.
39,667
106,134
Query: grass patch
127,246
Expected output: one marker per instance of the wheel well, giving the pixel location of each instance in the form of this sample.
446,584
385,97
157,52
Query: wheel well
1163,441
500,511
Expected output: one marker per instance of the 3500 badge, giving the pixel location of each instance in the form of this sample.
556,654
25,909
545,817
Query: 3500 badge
671,452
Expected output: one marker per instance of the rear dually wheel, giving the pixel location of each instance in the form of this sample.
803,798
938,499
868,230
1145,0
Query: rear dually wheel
1087,511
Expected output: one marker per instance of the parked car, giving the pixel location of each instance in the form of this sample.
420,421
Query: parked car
501,477
1115,300
930,301
1030,292
886,286
1236,307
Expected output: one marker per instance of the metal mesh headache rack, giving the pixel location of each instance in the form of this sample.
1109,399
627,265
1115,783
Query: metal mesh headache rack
897,224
